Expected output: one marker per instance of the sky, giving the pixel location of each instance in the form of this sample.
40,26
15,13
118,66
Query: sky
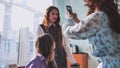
21,17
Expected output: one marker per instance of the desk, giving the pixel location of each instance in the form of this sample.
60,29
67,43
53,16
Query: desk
82,59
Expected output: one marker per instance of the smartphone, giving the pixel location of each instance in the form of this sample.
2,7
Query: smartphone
69,9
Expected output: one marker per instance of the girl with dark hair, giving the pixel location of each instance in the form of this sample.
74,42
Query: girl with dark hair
45,46
51,25
101,27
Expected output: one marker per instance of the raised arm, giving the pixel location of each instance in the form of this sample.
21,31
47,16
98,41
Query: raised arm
86,28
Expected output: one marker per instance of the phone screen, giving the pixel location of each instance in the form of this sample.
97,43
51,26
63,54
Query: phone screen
69,9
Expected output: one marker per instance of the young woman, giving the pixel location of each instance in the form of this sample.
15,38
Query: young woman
51,25
45,46
102,28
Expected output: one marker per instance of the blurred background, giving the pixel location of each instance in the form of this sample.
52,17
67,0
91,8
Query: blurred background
19,20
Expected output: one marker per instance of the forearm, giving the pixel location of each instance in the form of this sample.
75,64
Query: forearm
68,50
70,57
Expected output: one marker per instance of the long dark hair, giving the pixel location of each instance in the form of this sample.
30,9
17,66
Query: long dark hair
46,16
57,22
111,9
44,45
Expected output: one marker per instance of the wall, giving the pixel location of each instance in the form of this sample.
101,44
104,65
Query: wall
81,10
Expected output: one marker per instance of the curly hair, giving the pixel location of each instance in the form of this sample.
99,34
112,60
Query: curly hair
111,9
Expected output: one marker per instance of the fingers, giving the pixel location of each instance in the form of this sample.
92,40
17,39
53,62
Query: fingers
74,14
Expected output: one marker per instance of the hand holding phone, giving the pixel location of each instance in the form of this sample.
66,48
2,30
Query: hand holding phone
69,9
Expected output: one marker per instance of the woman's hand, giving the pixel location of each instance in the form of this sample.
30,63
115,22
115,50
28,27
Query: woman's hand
72,16
75,18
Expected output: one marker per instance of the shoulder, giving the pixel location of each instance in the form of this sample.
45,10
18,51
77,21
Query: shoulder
98,13
39,27
35,62
31,63
93,16
101,14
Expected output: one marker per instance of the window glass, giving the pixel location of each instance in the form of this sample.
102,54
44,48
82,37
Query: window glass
18,23
2,7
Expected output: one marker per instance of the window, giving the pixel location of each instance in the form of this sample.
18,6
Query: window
22,18
31,46
18,22
6,46
2,7
7,0
17,44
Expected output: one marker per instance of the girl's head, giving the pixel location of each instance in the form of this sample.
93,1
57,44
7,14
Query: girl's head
51,16
45,45
110,8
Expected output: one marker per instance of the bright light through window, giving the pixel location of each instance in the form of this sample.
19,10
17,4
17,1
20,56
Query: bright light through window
40,5
19,20
1,16
7,0
22,18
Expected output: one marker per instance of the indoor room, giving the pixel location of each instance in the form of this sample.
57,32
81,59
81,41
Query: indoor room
20,21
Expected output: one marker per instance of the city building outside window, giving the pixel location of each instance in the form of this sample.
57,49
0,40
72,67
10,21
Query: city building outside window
18,22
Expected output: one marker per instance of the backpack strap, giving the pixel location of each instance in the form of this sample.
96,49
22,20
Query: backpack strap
43,27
